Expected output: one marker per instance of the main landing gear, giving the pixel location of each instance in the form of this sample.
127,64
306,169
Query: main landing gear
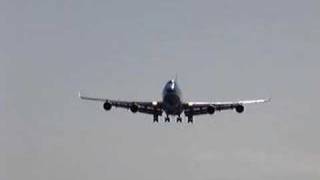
167,119
190,119
155,118
179,119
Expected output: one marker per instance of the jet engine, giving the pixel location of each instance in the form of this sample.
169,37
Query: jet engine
134,108
107,106
211,109
239,108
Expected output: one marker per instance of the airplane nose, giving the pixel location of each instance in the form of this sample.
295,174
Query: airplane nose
172,86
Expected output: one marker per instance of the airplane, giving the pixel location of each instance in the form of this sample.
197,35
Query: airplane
173,105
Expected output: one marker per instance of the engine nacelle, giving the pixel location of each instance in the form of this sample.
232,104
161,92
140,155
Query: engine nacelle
239,108
107,106
211,109
134,108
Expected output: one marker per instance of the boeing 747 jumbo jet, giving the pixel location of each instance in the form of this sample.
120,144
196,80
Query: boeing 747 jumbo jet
172,104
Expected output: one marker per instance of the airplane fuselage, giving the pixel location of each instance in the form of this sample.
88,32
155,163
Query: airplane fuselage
172,98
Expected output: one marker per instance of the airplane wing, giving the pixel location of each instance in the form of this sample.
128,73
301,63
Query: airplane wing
200,108
153,107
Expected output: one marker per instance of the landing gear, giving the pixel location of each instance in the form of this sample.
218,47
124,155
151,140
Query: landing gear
179,119
190,119
167,119
155,118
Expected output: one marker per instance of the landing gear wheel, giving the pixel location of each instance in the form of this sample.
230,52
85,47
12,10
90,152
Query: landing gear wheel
179,120
155,118
167,119
190,119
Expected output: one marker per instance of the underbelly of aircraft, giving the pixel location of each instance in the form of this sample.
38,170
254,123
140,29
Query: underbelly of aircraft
172,104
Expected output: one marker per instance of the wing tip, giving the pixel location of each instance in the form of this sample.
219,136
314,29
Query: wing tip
268,99
79,95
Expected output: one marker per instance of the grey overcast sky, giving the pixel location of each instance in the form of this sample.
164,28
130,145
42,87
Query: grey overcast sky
124,49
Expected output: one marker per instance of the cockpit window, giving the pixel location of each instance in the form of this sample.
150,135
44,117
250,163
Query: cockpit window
170,85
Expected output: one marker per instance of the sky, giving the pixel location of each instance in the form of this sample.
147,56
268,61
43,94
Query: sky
222,50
